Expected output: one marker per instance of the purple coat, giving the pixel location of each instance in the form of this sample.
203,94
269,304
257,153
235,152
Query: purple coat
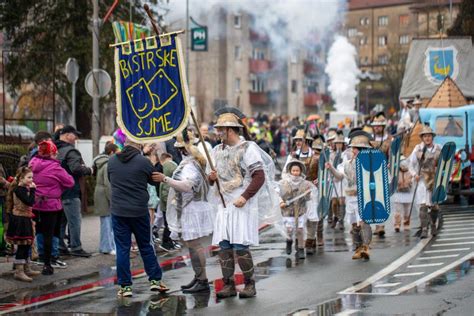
51,180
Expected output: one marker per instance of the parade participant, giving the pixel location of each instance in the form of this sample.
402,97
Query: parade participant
169,166
51,181
188,211
314,224
381,141
330,137
361,232
20,232
300,149
243,171
337,200
422,164
129,173
294,186
401,199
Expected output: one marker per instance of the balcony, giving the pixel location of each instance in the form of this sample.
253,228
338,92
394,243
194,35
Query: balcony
255,36
309,68
257,66
312,99
258,98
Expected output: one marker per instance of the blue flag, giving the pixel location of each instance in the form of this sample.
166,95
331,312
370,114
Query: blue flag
151,88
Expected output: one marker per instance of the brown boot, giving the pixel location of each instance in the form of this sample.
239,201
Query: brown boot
249,289
320,239
357,254
406,223
398,222
228,290
310,246
364,253
29,271
20,273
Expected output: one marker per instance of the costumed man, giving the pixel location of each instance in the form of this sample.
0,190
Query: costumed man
188,212
297,190
301,149
330,137
244,172
381,141
361,232
337,201
422,164
314,224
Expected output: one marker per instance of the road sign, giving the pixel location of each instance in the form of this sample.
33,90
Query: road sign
98,83
72,70
199,39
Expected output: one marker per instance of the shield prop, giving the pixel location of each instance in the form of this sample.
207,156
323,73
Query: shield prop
395,151
324,185
443,173
151,88
373,193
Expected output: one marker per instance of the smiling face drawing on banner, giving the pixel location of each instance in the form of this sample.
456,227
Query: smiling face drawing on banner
440,63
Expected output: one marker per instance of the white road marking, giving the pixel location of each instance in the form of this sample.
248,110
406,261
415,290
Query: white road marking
433,275
455,229
348,312
453,244
399,275
438,257
454,238
458,225
449,222
456,234
457,217
426,265
390,268
388,284
446,250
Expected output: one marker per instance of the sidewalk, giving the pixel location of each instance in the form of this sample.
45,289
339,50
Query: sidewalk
98,265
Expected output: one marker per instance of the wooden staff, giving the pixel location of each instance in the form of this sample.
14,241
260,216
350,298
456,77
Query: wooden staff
201,138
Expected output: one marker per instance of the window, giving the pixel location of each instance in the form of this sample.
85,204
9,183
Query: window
294,86
404,39
382,40
383,59
383,20
311,86
237,21
363,41
352,32
258,83
449,126
237,84
404,19
258,54
364,21
237,53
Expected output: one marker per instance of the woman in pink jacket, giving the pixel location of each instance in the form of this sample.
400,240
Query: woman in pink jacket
51,180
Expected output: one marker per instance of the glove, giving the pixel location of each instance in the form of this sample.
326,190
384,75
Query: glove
174,236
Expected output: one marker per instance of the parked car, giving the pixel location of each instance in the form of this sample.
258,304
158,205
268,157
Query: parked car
21,132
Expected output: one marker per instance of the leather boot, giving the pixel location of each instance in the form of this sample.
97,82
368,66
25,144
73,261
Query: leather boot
20,273
199,286
398,221
226,257
29,271
228,290
406,223
320,239
289,244
190,284
249,289
310,246
379,230
364,253
300,254
357,253
434,218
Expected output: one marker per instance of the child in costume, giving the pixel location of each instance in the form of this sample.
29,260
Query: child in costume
20,200
402,197
294,186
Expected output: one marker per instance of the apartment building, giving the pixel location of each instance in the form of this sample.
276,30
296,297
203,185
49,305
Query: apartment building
242,68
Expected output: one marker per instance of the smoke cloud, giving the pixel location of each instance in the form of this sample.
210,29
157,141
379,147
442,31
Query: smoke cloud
290,24
343,74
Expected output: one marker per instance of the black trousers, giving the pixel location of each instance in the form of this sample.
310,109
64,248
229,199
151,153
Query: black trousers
166,232
22,252
49,224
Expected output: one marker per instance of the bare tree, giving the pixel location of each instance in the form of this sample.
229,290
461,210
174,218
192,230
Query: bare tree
393,71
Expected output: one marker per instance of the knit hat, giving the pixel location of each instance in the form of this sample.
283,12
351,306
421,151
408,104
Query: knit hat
47,149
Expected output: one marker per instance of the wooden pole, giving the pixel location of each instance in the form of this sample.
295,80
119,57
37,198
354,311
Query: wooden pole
193,117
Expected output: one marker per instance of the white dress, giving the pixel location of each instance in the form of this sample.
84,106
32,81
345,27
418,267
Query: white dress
347,168
235,166
189,212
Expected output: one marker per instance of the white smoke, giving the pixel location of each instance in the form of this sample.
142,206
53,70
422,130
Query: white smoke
290,24
343,74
